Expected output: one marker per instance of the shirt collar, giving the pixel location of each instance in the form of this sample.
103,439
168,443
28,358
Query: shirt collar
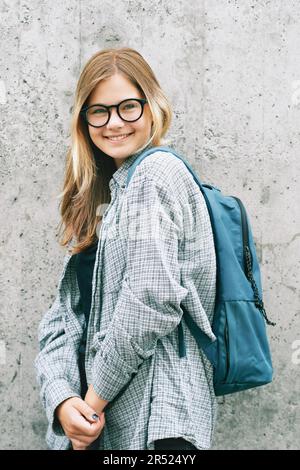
120,175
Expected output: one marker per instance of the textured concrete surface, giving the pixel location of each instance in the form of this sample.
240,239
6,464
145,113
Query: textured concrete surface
231,70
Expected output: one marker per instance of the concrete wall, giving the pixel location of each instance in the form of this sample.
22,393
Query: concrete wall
232,72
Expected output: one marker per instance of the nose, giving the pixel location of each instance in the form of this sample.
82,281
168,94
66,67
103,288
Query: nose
114,119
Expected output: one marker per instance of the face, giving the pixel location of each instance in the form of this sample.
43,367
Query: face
112,91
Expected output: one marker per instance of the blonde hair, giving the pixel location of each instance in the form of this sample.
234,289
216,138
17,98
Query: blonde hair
87,175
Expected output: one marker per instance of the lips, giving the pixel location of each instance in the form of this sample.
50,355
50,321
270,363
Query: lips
119,137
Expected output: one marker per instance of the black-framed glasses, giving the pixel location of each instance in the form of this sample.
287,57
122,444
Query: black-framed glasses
129,110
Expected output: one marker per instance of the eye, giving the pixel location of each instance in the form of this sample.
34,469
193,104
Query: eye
98,111
129,106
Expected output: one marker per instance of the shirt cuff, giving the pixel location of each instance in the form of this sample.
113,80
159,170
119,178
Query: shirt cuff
110,373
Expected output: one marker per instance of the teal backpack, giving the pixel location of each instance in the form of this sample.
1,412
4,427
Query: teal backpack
240,355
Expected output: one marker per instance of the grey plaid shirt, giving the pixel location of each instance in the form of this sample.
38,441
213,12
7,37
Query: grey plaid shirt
155,253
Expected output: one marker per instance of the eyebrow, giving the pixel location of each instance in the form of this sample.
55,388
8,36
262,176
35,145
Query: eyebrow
102,104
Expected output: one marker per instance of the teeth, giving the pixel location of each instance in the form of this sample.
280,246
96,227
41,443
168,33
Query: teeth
119,137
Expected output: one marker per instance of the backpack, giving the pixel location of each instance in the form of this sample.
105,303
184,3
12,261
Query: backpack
240,355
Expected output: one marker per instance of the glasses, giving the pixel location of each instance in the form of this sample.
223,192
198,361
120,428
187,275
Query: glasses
129,110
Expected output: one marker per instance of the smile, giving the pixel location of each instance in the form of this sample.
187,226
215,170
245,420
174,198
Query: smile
118,138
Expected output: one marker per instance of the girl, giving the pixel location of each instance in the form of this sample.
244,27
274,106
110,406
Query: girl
108,367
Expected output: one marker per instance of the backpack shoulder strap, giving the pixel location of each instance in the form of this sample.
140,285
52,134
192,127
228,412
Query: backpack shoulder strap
202,339
161,149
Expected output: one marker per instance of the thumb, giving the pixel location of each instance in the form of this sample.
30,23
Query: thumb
88,412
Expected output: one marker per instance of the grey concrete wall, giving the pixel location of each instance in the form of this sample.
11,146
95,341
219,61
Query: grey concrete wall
232,72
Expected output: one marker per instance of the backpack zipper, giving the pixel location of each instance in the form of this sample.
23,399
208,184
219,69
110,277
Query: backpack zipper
244,232
248,261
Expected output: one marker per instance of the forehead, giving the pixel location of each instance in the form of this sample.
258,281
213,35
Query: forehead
113,90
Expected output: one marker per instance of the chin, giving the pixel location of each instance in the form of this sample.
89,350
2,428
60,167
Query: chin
123,150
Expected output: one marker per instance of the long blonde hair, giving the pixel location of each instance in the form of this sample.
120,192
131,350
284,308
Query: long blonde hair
87,175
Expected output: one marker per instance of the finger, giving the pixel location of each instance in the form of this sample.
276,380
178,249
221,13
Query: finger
83,436
80,425
87,411
102,418
88,439
83,441
98,425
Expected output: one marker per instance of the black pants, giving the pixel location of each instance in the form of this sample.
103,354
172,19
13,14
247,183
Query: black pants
173,443
84,385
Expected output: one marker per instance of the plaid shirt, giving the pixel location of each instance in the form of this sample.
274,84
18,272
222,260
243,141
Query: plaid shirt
155,253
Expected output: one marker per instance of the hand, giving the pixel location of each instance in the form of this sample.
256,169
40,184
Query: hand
76,418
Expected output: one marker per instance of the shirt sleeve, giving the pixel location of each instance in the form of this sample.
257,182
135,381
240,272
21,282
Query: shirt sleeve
51,364
148,306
